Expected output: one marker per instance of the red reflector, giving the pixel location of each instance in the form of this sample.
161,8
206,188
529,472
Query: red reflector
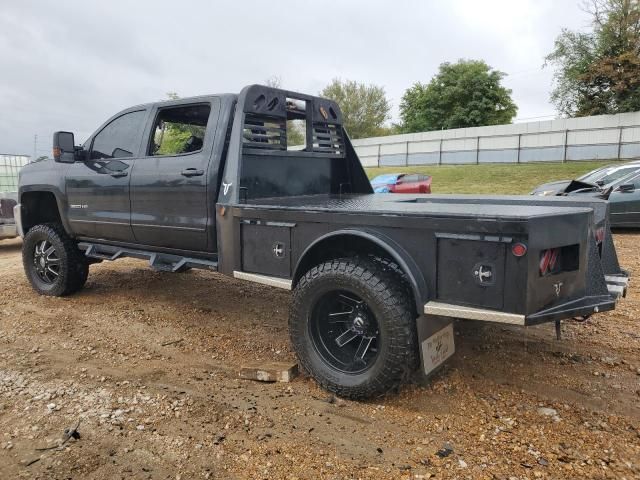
519,249
600,235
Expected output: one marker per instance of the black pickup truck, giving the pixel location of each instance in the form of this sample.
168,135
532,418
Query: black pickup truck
211,182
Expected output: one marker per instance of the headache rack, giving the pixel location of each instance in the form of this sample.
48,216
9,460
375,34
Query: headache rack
327,138
290,144
270,115
264,133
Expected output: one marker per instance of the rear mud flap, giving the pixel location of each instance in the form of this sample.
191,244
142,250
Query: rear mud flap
437,343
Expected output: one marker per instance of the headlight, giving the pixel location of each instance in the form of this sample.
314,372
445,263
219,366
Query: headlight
545,193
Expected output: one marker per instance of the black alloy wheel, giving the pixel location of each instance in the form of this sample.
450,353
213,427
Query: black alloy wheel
46,262
345,331
353,326
52,261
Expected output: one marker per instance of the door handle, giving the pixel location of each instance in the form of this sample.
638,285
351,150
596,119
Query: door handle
192,172
119,174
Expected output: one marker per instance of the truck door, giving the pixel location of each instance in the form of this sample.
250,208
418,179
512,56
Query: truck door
97,188
169,184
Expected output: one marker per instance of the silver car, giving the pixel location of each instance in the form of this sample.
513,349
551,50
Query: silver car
623,181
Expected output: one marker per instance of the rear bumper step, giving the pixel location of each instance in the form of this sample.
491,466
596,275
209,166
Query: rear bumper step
617,285
577,308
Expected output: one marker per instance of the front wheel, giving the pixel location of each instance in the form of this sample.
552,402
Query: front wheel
352,325
52,261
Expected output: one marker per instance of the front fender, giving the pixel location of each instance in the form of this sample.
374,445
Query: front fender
60,200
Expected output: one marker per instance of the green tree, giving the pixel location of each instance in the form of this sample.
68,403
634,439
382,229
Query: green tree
171,137
598,72
365,108
468,93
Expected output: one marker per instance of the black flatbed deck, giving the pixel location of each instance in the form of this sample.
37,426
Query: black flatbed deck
413,205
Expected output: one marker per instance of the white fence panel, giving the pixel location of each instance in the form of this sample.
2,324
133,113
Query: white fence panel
608,137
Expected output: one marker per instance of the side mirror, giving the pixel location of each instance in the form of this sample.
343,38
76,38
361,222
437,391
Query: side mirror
627,187
64,150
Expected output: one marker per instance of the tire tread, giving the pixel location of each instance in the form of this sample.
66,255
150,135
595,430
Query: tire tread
75,266
389,287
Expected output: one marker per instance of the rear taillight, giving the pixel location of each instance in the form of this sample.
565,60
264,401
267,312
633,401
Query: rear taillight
519,249
549,260
600,235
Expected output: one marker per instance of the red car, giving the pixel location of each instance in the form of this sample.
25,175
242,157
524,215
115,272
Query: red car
402,183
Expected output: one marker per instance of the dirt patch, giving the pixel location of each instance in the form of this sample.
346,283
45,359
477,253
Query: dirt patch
512,402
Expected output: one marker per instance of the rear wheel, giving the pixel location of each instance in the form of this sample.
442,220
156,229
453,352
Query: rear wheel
352,325
52,261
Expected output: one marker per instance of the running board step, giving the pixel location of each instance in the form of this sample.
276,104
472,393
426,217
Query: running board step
472,313
162,262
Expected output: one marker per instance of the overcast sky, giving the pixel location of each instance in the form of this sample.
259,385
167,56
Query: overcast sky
69,65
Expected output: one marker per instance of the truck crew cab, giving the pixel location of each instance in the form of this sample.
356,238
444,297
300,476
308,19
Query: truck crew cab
212,182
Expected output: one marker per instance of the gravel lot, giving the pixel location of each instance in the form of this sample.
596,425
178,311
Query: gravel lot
511,404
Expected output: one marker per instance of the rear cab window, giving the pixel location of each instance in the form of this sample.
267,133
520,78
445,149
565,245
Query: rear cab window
179,130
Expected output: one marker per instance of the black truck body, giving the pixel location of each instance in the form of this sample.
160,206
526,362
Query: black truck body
246,204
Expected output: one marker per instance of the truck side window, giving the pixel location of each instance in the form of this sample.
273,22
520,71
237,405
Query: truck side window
120,138
179,130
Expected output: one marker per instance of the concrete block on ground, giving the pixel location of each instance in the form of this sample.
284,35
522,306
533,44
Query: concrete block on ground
269,371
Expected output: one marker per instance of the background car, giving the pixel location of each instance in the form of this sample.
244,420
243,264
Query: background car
625,202
623,182
402,183
600,177
7,222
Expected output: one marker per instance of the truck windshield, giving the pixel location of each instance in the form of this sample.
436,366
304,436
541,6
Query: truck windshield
607,175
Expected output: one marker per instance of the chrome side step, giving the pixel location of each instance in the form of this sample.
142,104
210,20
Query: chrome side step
264,279
471,313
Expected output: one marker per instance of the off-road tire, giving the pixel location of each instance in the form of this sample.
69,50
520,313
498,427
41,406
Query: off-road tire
385,293
73,266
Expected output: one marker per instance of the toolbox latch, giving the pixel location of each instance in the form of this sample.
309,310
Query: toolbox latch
484,274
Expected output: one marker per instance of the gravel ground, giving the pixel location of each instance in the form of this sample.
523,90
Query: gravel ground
512,403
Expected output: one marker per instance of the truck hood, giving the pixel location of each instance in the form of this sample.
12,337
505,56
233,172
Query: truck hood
551,188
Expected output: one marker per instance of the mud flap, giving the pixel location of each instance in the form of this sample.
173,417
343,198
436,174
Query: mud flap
437,344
